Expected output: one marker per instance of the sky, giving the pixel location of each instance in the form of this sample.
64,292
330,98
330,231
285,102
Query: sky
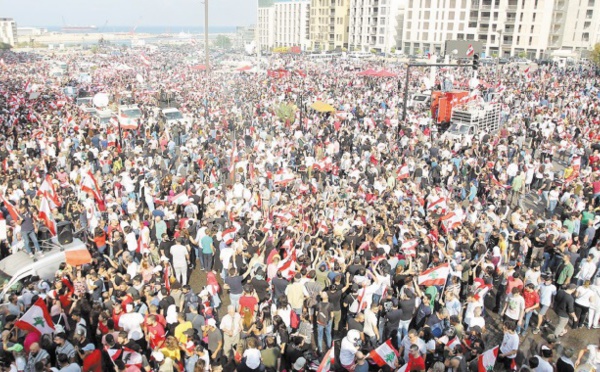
170,13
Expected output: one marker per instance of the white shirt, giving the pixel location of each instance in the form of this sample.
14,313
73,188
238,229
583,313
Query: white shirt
231,323
544,366
179,253
510,342
131,323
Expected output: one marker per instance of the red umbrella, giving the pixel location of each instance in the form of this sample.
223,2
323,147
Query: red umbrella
369,72
245,68
385,73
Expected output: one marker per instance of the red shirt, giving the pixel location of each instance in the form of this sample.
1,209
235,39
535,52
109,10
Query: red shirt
248,302
93,362
531,298
415,364
158,335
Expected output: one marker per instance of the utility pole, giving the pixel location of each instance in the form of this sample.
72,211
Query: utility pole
206,36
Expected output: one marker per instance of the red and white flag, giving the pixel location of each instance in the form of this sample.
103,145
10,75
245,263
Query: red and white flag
434,276
452,220
229,235
47,190
132,358
439,202
403,172
470,50
145,60
487,360
385,354
45,214
284,177
180,199
37,319
409,247
90,187
526,71
287,266
12,210
328,361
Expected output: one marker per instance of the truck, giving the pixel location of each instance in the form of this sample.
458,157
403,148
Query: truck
473,120
442,104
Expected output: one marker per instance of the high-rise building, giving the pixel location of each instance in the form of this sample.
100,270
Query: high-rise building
375,24
292,23
533,28
8,31
329,24
266,24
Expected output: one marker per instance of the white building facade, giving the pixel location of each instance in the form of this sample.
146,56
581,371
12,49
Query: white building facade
375,25
292,23
531,28
8,31
266,24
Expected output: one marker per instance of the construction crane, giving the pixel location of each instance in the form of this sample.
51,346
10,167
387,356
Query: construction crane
132,31
104,26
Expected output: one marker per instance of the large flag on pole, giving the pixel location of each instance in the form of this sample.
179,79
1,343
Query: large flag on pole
37,319
385,354
90,186
47,189
435,276
487,360
12,210
45,214
328,361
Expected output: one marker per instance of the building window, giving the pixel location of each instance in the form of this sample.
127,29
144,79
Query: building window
460,36
496,15
530,40
589,14
585,36
470,37
533,17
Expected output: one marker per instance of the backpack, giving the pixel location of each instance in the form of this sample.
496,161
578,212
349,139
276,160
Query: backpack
294,320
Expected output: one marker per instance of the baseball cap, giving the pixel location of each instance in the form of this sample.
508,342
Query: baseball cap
89,347
211,322
299,364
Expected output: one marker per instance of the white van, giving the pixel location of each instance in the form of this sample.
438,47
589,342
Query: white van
18,267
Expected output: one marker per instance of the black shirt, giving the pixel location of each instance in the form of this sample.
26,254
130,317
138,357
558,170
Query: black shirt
408,308
261,287
279,286
393,319
335,300
235,284
354,324
563,304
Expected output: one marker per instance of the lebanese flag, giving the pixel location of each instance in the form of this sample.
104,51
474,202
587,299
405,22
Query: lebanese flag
487,360
37,319
500,184
114,354
322,227
228,235
470,50
328,361
12,210
27,86
47,190
132,358
434,276
45,214
385,354
576,163
482,291
440,201
452,220
145,60
287,266
90,187
526,71
283,178
167,276
409,247
180,199
403,172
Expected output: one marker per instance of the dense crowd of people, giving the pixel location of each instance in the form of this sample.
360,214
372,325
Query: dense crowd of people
258,234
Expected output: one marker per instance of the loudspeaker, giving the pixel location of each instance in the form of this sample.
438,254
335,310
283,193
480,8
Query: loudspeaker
64,231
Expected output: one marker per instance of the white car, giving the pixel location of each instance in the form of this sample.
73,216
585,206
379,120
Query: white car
172,116
129,116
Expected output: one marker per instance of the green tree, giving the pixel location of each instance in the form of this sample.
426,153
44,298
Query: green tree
285,112
4,46
223,41
523,54
595,54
